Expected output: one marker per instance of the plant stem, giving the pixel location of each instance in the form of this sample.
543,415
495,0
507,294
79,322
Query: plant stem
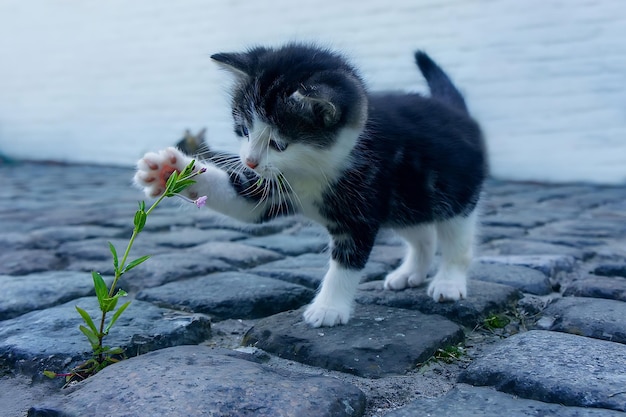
128,247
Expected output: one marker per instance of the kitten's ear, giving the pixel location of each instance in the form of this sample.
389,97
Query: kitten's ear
237,63
318,103
240,64
201,134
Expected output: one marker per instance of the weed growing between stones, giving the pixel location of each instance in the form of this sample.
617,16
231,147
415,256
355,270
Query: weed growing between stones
108,297
447,354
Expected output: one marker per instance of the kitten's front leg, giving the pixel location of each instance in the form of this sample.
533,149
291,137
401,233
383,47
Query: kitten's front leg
334,301
155,168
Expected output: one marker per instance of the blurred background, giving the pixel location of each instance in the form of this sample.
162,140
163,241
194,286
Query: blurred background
105,81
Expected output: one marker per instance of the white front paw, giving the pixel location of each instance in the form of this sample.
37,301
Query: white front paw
445,289
154,169
318,315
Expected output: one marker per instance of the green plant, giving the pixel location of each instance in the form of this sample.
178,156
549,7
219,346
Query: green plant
447,354
108,297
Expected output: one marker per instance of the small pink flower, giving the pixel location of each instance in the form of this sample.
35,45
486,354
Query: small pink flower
201,201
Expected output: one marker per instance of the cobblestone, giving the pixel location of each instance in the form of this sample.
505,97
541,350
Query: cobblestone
551,257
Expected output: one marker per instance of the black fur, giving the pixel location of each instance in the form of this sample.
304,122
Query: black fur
418,160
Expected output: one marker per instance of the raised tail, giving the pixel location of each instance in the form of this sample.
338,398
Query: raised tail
441,87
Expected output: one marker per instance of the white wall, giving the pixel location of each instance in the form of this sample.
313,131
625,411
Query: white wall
105,81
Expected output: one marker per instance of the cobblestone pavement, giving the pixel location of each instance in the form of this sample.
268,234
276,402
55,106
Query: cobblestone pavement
215,329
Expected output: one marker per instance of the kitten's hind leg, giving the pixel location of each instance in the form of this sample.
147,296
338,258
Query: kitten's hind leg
456,242
422,244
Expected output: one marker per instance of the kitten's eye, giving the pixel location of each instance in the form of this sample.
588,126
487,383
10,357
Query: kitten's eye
280,147
245,131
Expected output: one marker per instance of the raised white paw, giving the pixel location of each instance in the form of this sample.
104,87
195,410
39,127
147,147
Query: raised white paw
318,315
446,289
154,169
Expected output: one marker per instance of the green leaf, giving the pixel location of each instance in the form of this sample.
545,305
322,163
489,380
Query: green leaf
140,220
93,339
114,253
171,181
116,316
188,169
50,374
496,321
181,185
87,319
109,304
136,262
142,206
100,286
115,351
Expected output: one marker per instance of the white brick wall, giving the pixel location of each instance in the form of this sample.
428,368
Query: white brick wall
86,80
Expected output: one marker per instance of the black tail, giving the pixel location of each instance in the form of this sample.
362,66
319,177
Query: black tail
441,87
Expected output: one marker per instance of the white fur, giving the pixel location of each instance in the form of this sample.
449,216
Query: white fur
456,242
333,303
422,243
214,183
307,170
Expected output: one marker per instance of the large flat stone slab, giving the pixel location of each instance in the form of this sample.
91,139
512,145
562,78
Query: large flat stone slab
230,295
467,401
591,317
555,367
50,339
377,341
526,279
189,381
483,299
25,293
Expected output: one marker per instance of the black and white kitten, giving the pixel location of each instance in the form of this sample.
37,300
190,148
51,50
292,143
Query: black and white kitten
315,142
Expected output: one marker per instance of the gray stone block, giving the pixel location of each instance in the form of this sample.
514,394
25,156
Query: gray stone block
468,401
168,267
50,339
229,295
483,299
550,265
188,381
377,341
181,238
290,245
29,261
591,317
236,254
526,279
554,367
25,293
613,288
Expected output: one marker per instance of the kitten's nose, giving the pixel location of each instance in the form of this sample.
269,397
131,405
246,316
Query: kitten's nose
252,163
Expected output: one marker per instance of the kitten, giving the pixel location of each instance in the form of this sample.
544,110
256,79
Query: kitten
315,142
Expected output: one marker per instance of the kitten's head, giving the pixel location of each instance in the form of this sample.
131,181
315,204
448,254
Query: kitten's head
298,108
